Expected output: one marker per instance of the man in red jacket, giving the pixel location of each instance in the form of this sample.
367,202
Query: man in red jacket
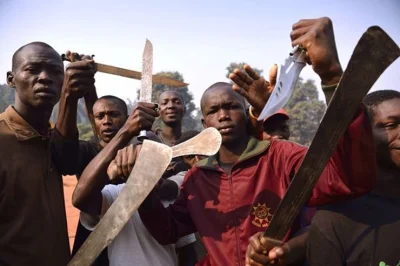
233,195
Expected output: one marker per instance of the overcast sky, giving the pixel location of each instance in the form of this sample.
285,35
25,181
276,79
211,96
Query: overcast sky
197,38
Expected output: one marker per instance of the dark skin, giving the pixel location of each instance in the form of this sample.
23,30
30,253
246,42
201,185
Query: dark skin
276,127
317,36
386,131
87,194
109,118
39,81
225,110
171,110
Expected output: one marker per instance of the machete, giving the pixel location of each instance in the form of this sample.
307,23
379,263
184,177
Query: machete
139,184
193,146
127,73
141,181
146,89
374,52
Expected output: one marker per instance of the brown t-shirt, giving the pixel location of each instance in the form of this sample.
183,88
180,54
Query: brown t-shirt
33,229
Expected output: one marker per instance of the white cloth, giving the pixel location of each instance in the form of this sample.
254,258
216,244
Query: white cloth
134,245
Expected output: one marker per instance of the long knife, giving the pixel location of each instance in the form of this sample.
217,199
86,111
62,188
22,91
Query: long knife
374,52
146,89
195,145
127,73
288,75
139,184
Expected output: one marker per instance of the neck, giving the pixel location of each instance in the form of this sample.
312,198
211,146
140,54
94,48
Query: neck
388,182
230,152
35,117
171,133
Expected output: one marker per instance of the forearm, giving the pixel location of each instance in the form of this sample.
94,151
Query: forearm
351,171
93,179
297,246
175,220
66,122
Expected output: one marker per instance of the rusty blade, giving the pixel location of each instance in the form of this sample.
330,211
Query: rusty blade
127,73
141,181
206,143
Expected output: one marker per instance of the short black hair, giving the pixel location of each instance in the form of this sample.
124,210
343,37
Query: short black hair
218,85
187,135
15,57
377,97
176,92
121,103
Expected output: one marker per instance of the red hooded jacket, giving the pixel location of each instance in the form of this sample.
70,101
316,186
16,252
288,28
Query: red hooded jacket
227,209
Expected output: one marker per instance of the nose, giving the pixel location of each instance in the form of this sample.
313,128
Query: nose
44,77
223,116
107,120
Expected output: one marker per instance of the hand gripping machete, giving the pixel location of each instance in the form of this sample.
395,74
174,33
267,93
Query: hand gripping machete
374,52
154,156
205,143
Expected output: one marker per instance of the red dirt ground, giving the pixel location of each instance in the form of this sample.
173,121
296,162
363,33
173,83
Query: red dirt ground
72,213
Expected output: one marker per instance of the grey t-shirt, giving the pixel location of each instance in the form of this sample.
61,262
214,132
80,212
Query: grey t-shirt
134,245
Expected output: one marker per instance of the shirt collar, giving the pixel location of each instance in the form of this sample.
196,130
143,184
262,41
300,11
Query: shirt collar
21,129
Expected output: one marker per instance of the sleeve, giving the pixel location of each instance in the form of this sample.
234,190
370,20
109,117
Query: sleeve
320,250
186,240
178,179
176,219
65,153
350,172
109,193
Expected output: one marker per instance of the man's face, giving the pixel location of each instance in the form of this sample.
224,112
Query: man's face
171,107
224,109
38,77
276,127
109,118
386,130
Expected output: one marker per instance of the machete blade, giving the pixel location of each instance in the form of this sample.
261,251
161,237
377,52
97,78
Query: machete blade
141,181
374,52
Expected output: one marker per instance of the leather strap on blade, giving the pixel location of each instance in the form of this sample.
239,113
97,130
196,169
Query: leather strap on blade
141,181
373,54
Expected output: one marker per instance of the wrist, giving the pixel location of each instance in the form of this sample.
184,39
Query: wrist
253,113
332,76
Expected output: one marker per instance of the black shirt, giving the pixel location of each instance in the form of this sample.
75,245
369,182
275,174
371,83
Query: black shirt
364,231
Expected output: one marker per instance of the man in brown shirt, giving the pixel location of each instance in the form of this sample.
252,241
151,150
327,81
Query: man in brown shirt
33,155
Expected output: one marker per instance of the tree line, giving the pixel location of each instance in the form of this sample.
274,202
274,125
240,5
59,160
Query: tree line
304,108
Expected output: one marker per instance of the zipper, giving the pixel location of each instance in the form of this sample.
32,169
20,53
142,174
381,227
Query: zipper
234,217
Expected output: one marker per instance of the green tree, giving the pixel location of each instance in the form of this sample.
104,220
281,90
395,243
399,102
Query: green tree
233,66
189,120
7,96
85,131
305,112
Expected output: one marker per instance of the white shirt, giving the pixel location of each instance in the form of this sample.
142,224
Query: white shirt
134,245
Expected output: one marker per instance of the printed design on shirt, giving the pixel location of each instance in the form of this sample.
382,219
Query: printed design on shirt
262,215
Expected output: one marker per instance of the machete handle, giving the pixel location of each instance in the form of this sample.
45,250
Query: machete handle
269,243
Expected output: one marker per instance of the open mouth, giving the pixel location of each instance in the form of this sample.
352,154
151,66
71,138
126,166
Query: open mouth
108,132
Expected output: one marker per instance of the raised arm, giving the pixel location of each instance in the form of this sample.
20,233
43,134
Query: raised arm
78,81
87,195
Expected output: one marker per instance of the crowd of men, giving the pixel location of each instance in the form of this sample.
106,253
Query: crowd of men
203,211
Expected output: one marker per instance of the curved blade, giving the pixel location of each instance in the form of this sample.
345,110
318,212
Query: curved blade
206,143
141,181
286,82
374,53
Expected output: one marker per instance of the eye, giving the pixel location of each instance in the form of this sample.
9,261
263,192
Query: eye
390,125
